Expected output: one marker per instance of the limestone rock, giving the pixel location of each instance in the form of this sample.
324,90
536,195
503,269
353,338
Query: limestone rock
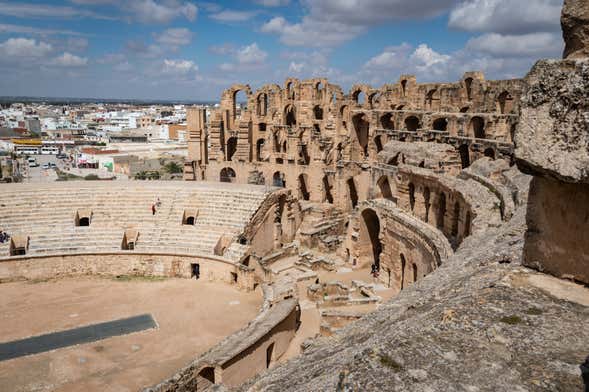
575,28
552,137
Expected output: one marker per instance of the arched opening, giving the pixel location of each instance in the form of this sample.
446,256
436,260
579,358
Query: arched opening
411,196
415,275
455,219
84,221
239,103
278,179
477,126
205,378
262,104
190,221
359,97
269,352
303,189
412,124
327,196
361,125
440,124
403,88
259,148
352,192
468,86
426,202
464,109
504,103
231,147
304,157
394,161
429,99
378,143
466,225
385,188
276,139
262,127
386,121
441,211
403,265
318,113
290,118
371,226
489,153
464,155
227,175
290,91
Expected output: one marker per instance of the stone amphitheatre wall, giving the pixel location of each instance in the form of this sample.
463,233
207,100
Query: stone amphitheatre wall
405,248
125,263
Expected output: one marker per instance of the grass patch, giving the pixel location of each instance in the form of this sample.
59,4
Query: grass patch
534,311
138,278
511,320
389,362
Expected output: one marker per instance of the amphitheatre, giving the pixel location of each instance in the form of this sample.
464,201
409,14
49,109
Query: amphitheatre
412,237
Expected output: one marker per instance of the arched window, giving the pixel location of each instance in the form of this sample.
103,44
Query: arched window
386,121
259,148
352,192
318,112
278,179
464,155
303,189
412,124
504,103
227,175
231,147
290,118
477,125
489,152
468,86
440,124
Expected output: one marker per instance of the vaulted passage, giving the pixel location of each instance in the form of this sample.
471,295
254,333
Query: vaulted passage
464,156
303,189
412,124
231,147
371,228
385,188
227,175
477,125
361,124
352,192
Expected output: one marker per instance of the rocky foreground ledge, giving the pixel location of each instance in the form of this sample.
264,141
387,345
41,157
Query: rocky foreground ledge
481,322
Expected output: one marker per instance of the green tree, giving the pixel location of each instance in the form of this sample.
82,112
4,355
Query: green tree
173,168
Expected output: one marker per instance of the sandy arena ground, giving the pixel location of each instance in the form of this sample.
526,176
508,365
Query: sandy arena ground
192,316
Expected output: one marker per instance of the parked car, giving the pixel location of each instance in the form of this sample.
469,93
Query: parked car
61,156
52,165
45,166
33,164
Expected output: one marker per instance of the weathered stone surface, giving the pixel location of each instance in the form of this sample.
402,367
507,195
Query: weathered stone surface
476,323
552,137
575,28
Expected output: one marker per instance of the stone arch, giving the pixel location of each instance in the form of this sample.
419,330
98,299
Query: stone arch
279,179
411,188
441,211
231,148
262,104
227,175
430,98
290,118
361,126
464,152
370,232
327,195
303,187
240,93
440,124
259,149
464,109
318,112
290,87
412,124
403,88
359,96
426,203
504,102
386,121
374,99
477,127
394,161
378,143
489,153
468,88
385,187
352,192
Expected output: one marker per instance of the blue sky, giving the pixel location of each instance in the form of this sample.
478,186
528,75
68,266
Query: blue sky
176,49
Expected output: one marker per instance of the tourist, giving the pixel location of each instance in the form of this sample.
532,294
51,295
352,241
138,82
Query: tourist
153,209
158,203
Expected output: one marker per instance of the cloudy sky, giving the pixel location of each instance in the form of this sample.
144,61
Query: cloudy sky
176,49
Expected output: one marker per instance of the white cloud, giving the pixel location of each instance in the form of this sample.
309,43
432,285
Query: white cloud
69,60
179,67
174,37
223,50
29,10
77,44
251,54
426,57
233,16
311,32
272,3
296,67
12,28
149,11
507,16
16,48
528,45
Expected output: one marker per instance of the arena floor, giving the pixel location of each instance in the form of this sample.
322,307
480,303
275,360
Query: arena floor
191,315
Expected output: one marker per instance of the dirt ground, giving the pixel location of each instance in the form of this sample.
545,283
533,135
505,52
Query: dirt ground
191,315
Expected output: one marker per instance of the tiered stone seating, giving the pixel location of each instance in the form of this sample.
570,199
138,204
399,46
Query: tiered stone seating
46,213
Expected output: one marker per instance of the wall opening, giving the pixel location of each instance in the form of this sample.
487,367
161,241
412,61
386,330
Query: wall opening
269,352
467,225
386,121
278,179
359,97
441,211
415,275
259,149
403,88
477,126
378,143
468,86
327,196
361,126
372,227
18,246
352,192
440,124
411,196
85,221
195,270
239,103
83,217
262,104
205,378
231,147
412,124
318,112
464,155
385,188
504,103
489,153
303,189
227,175
234,277
426,202
403,265
290,118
